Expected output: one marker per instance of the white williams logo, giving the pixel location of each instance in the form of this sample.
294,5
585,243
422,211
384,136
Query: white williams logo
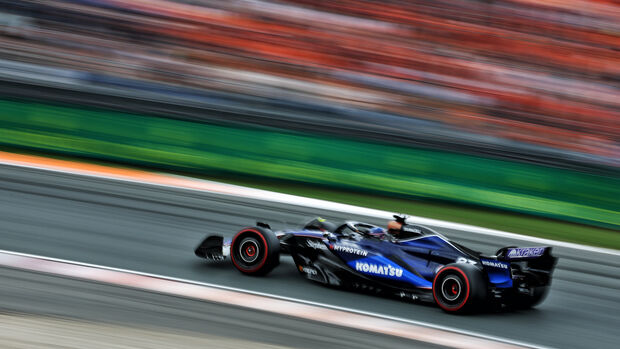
384,270
316,245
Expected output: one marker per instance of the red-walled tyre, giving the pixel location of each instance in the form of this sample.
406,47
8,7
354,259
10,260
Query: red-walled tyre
255,251
459,288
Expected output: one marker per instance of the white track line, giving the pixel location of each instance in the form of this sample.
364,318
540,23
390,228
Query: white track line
252,193
367,321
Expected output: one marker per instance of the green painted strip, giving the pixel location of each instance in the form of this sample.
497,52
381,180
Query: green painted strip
199,147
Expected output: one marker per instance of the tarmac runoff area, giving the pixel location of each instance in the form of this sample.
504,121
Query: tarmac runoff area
39,332
40,310
282,307
77,212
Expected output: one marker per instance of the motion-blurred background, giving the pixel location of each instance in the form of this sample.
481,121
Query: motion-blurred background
503,114
507,104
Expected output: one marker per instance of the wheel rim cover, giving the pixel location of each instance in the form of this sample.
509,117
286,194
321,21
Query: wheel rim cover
451,288
249,250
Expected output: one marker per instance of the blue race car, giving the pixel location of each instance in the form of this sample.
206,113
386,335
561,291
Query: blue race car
406,260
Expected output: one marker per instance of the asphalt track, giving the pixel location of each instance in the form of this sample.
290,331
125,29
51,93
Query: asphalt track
191,323
154,229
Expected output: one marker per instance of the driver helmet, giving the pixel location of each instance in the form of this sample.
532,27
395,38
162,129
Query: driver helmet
377,231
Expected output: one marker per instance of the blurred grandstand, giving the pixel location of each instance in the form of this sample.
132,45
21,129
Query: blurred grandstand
532,80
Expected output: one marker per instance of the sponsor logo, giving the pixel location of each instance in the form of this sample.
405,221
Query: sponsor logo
526,252
411,230
350,250
494,264
317,245
383,270
308,270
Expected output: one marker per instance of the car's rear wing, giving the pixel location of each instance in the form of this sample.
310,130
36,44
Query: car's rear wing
537,260
521,253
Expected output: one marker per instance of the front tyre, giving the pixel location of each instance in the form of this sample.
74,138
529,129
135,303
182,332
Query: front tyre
459,288
255,251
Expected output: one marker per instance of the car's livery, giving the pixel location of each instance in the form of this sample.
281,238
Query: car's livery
418,263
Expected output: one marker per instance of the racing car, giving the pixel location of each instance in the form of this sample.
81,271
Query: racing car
415,262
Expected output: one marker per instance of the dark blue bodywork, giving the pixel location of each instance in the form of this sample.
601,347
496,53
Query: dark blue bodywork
408,263
367,257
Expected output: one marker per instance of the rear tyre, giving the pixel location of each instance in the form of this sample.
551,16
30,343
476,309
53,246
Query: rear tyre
255,251
459,288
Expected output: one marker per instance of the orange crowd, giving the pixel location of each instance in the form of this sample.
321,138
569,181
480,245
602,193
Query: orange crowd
537,71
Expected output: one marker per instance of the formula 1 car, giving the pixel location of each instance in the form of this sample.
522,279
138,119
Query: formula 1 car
417,263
